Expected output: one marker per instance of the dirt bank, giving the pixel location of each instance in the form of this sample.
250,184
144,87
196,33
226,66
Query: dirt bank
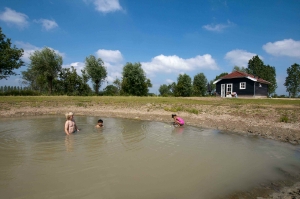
261,121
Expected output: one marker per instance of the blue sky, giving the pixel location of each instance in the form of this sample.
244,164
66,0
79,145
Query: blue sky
168,37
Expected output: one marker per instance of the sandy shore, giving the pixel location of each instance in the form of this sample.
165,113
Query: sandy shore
260,121
252,121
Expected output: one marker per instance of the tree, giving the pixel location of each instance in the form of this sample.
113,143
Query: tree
257,68
212,86
184,86
164,90
32,78
292,81
10,57
240,69
46,64
134,80
111,90
219,76
96,71
71,83
117,83
200,85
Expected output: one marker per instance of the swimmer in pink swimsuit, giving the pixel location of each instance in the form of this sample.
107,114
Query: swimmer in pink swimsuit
178,120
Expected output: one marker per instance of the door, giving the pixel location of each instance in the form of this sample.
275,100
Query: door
229,88
223,90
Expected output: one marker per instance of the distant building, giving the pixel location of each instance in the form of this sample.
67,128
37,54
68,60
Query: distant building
243,84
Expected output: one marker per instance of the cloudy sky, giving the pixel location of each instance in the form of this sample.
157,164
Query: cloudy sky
168,37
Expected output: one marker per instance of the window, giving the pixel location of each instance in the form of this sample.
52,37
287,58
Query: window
229,88
242,85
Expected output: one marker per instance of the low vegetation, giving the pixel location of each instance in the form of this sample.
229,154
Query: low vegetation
283,110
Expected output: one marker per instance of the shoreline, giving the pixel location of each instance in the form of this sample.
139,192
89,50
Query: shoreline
261,125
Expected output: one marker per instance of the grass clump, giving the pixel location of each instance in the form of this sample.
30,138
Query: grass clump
284,118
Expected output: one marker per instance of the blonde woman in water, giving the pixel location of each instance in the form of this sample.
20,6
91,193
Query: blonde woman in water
70,125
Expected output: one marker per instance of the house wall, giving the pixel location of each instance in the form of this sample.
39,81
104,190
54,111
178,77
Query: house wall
261,89
249,91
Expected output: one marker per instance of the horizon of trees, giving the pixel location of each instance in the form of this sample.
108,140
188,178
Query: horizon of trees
46,75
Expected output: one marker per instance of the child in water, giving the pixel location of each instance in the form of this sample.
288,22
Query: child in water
177,120
70,125
99,124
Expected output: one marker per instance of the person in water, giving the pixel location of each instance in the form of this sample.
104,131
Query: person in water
177,120
100,123
70,125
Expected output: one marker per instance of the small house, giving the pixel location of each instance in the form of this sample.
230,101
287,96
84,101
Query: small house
241,84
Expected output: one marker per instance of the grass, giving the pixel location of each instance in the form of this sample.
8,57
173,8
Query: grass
145,100
286,110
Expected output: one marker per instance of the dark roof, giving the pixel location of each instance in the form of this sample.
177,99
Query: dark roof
238,74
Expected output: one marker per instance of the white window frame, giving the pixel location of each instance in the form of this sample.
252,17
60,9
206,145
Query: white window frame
242,85
229,88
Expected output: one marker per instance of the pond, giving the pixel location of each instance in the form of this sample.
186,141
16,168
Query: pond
134,159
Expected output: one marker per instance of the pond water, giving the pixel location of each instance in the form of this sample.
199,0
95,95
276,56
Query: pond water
133,159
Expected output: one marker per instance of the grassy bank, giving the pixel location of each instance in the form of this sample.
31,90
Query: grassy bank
280,110
144,100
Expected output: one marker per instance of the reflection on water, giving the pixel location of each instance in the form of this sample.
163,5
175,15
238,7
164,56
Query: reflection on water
133,159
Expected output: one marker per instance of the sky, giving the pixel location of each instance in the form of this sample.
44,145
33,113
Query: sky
168,37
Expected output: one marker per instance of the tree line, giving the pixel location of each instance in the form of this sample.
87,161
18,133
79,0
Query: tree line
45,75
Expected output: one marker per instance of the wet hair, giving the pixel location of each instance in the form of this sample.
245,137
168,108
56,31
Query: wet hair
100,121
68,115
173,115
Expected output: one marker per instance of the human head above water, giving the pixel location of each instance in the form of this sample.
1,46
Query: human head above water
69,115
100,121
173,115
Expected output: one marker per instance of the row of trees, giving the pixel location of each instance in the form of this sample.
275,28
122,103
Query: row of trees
185,87
45,74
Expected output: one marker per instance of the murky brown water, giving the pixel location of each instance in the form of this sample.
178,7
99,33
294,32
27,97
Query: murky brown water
133,159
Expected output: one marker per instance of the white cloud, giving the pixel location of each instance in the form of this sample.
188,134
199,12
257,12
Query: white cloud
14,18
29,49
113,62
175,64
286,47
111,56
169,81
47,24
113,75
106,6
218,27
77,65
239,57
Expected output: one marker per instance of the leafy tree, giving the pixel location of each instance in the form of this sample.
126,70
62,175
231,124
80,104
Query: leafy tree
164,90
96,71
33,80
219,76
71,83
111,90
292,81
134,80
117,83
270,76
200,85
257,68
240,69
184,86
46,64
10,57
212,86
173,88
